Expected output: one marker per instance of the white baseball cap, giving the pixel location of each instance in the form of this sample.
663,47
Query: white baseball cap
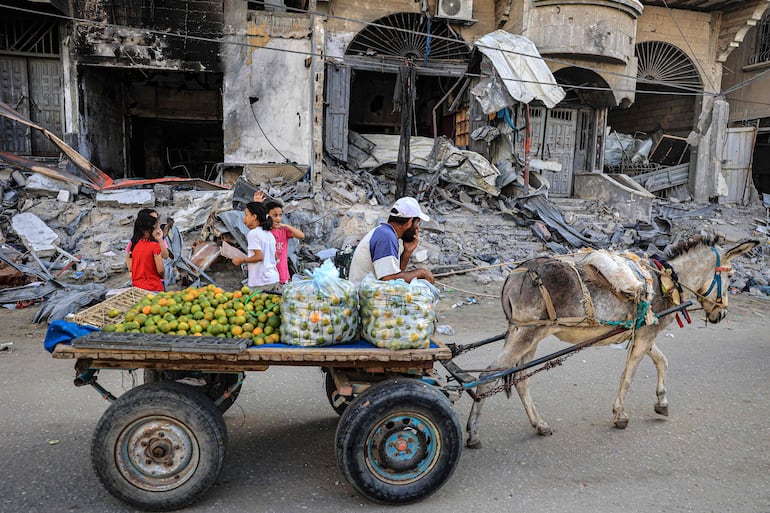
408,207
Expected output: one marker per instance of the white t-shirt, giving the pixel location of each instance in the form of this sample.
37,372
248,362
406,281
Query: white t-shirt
265,271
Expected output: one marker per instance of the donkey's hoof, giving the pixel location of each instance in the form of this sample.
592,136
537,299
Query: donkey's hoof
473,444
543,429
661,409
621,423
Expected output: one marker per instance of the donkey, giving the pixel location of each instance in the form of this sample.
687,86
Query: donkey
585,304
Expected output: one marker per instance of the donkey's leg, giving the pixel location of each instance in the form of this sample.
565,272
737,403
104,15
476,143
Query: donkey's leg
522,387
661,364
517,343
639,347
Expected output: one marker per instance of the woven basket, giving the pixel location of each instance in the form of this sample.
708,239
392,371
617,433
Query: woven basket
97,315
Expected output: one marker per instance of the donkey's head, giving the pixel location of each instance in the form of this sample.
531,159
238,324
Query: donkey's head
705,270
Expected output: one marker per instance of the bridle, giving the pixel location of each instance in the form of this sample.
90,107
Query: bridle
716,281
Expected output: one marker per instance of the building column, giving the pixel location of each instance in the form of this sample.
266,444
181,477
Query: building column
707,168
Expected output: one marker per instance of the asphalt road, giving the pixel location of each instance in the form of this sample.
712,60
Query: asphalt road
711,455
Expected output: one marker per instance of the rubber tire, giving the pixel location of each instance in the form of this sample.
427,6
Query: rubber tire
216,383
331,389
186,407
367,411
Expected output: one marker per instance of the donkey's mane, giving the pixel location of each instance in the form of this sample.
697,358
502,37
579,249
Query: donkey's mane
691,242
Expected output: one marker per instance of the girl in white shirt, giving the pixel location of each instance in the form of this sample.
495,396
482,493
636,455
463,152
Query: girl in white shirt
260,260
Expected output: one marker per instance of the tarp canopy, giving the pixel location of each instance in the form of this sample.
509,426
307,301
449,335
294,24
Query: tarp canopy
524,74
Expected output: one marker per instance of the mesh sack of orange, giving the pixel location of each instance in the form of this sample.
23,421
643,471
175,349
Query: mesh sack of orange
319,309
396,314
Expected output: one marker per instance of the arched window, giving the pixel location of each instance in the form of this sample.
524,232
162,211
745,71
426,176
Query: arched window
762,44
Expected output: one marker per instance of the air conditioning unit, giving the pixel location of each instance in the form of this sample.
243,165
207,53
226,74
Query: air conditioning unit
458,10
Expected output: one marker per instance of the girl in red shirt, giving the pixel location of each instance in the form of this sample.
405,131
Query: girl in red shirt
145,259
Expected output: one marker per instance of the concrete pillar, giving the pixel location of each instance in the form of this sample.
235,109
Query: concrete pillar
318,72
704,175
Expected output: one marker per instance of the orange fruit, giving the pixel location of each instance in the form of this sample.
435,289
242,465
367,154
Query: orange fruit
314,317
147,310
236,330
257,330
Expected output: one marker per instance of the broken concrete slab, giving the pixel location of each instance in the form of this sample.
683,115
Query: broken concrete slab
65,196
40,185
617,191
35,234
134,198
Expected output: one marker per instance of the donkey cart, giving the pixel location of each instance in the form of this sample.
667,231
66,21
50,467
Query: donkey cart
162,444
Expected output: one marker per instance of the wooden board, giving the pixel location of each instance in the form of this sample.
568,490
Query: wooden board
258,358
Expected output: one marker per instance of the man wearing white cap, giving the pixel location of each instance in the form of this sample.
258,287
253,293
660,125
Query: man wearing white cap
378,252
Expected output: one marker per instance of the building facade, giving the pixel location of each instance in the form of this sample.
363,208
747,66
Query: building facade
174,87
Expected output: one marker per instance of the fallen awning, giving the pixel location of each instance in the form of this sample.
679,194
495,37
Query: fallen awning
518,63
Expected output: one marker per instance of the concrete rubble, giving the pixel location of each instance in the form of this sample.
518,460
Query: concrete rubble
71,240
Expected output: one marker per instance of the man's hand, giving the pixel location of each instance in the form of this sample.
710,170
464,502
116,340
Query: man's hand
259,196
238,261
425,275
409,247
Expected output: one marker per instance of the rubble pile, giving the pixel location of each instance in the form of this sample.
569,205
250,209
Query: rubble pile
56,238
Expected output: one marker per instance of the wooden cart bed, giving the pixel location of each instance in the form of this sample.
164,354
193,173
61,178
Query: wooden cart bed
257,358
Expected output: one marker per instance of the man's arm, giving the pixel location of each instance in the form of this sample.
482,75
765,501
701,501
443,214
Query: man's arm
408,276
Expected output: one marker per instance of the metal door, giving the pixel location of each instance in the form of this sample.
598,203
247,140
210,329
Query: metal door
14,91
559,146
585,136
336,113
45,102
537,124
736,162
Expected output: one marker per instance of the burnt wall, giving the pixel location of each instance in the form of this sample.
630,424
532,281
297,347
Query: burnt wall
119,35
674,114
103,111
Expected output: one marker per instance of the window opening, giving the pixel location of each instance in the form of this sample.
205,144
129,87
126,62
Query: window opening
664,62
762,47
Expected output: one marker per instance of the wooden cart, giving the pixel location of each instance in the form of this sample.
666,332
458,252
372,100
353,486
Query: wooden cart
162,445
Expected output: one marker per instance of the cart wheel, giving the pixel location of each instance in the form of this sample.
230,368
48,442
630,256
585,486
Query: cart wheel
338,402
214,385
159,446
399,441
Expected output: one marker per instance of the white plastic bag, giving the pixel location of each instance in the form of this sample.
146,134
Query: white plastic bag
319,309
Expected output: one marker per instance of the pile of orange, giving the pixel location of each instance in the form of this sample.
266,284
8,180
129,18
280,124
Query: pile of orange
207,311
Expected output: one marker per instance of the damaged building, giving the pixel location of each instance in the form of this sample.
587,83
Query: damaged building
218,88
746,86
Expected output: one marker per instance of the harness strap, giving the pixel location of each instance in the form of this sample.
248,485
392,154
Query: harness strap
544,292
717,276
588,303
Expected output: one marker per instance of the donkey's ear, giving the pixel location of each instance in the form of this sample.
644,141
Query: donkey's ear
741,248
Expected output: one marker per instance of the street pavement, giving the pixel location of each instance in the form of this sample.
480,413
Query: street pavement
712,455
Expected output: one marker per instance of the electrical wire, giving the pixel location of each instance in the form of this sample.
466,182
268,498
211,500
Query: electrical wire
286,159
321,55
362,22
687,41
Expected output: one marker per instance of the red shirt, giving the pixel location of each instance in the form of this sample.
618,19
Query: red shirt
143,272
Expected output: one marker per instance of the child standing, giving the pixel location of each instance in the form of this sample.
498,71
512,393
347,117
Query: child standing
282,233
163,232
261,248
144,258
